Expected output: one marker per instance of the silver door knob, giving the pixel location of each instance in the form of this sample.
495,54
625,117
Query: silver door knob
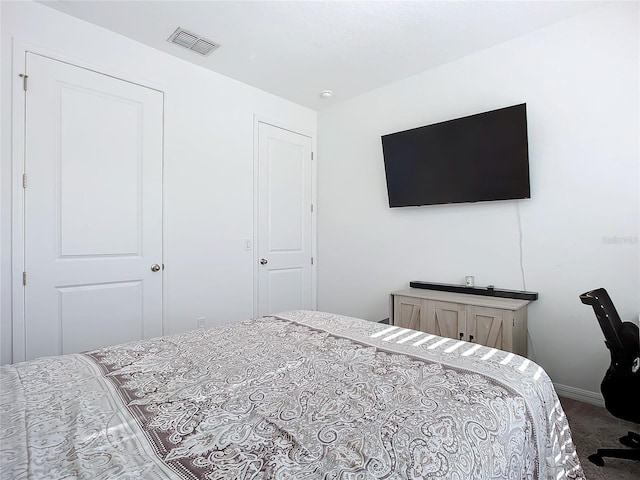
155,267
264,261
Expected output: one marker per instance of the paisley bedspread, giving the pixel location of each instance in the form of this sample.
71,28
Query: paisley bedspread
300,395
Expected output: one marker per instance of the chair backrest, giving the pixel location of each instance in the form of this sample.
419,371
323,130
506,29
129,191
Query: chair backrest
617,339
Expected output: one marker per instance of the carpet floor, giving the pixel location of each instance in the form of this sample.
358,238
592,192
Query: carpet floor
592,427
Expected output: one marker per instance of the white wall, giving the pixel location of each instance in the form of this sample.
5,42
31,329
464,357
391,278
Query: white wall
580,81
208,162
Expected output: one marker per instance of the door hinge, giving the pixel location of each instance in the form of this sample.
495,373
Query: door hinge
312,208
24,278
311,260
514,322
311,155
24,77
24,180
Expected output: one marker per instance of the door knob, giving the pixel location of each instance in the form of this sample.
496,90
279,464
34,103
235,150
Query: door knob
263,261
155,267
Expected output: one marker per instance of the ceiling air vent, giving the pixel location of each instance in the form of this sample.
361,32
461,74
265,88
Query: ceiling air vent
192,42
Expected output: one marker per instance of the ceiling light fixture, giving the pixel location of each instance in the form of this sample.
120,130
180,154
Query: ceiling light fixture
326,93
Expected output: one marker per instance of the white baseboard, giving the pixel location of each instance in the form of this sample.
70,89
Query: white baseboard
594,398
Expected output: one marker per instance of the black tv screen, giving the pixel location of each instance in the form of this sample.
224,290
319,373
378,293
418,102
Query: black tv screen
477,158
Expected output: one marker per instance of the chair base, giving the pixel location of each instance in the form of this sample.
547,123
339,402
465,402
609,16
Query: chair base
631,440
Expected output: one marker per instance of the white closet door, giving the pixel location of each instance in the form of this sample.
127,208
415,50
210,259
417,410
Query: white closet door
93,210
284,220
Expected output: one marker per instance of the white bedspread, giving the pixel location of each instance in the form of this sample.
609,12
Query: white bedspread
301,395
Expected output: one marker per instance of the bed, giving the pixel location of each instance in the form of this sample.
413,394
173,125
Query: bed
298,395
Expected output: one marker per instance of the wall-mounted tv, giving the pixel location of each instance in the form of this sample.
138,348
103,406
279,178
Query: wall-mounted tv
477,158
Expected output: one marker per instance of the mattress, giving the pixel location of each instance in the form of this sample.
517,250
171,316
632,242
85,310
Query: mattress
298,395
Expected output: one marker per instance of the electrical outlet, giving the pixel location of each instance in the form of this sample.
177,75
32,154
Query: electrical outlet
201,322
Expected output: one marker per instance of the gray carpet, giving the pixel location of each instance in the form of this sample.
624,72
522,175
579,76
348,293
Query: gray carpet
593,427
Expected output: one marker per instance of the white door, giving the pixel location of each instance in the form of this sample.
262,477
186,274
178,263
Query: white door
284,220
93,210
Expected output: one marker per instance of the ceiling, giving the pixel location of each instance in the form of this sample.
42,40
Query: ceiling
296,49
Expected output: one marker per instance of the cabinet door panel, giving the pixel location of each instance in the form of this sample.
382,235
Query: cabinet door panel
493,322
446,319
407,312
489,326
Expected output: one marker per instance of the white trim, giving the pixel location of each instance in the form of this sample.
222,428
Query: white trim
574,393
18,100
257,119
24,46
165,289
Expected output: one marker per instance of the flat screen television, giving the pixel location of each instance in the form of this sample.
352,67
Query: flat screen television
477,158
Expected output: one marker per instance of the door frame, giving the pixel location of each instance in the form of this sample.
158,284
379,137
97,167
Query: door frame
257,119
18,159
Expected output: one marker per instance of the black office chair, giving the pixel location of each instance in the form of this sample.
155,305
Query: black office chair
621,384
